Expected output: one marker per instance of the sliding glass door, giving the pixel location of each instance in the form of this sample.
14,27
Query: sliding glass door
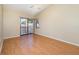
23,26
30,26
26,26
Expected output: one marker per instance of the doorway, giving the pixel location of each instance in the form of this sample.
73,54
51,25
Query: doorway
26,26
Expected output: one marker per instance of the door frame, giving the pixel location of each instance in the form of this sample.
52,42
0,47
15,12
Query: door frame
20,24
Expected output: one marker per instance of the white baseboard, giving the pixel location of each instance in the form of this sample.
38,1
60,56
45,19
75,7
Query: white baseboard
11,37
49,37
59,39
1,41
1,44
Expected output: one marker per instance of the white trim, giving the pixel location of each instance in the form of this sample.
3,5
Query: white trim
59,39
49,37
1,44
1,41
11,37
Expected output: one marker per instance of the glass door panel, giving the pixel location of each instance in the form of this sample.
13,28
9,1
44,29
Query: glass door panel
30,26
23,26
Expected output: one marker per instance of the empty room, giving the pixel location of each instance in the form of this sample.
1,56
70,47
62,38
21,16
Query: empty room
39,29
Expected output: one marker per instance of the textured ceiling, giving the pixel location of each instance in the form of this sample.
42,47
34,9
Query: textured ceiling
30,9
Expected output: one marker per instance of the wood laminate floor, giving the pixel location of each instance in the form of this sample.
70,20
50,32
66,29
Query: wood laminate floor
37,45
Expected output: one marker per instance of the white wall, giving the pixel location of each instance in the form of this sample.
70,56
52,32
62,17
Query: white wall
11,22
0,22
61,22
1,38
